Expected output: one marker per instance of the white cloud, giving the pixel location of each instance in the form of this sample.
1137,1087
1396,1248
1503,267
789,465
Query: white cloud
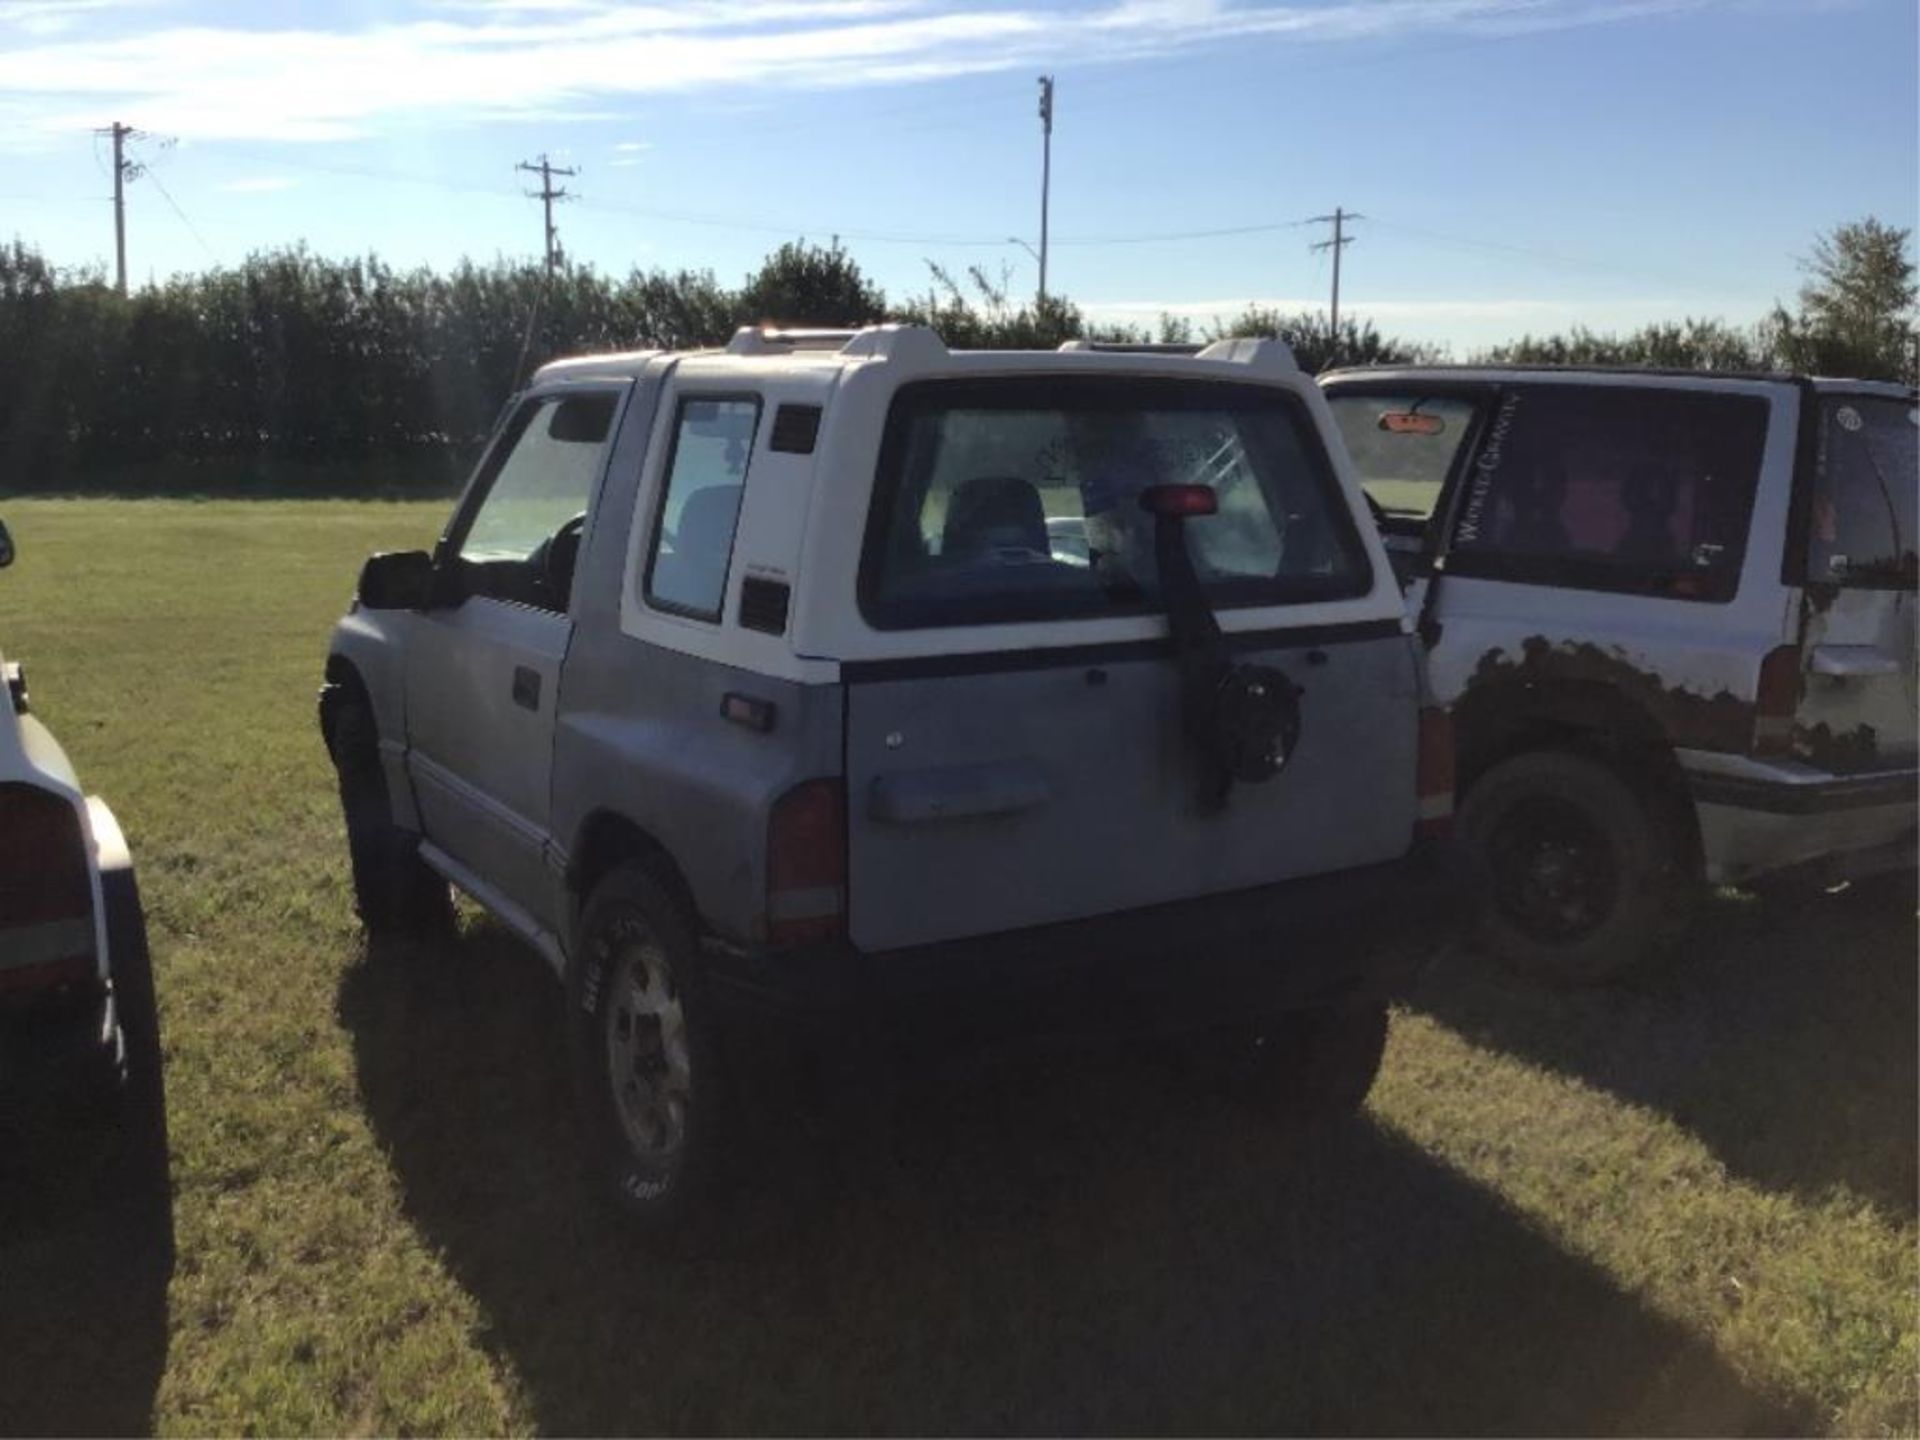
258,184
479,58
50,17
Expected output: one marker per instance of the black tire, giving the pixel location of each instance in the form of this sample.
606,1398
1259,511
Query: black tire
1585,873
1312,1065
645,1052
397,894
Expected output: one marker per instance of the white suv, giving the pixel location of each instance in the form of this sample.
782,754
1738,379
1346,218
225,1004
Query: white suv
1673,615
837,669
76,991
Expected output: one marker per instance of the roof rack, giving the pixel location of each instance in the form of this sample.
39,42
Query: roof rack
902,344
1132,347
1264,354
774,340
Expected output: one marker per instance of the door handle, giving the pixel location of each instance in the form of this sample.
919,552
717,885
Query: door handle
1853,662
957,792
526,687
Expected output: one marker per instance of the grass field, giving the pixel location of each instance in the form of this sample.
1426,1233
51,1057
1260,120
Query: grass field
1683,1207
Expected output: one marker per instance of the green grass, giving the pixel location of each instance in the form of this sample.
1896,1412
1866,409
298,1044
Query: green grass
1688,1206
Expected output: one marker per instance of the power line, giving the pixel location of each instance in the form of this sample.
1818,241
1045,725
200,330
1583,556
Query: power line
192,228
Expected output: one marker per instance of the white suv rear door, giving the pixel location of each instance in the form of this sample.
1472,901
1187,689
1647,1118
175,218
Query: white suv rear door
1050,778
1860,695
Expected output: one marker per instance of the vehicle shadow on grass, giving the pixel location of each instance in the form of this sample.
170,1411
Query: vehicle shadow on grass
1782,1036
86,1252
1046,1240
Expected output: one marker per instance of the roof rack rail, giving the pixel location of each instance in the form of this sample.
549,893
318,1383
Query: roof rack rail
901,344
775,340
1263,353
1132,347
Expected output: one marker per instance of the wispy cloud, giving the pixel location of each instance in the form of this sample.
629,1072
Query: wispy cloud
258,185
462,59
51,17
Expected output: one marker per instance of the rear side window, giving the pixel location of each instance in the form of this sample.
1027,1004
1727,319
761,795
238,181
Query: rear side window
1639,490
1861,529
1018,499
706,474
1403,445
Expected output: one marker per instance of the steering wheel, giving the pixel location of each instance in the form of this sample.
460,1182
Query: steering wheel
553,559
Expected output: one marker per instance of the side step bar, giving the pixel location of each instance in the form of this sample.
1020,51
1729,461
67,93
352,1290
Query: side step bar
502,909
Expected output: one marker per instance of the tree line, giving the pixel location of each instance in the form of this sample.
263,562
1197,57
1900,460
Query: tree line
292,361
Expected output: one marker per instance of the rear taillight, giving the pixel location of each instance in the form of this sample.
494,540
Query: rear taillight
1775,699
46,892
1433,780
807,863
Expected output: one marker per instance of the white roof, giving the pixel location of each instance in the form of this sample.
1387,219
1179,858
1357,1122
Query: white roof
917,348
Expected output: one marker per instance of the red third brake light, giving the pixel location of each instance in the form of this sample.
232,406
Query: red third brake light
1433,779
1179,500
46,892
807,863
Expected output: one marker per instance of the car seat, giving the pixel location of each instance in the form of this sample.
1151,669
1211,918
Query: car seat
1648,497
694,570
992,514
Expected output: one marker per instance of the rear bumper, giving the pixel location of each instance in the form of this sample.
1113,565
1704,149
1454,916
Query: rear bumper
1352,937
71,1044
1761,816
68,1047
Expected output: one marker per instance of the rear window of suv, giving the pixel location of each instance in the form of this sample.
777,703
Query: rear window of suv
1018,499
1861,531
1620,488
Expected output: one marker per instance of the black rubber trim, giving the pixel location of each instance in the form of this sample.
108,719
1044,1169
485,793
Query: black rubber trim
996,662
1774,798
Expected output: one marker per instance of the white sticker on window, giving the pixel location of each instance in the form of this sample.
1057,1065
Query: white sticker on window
1848,417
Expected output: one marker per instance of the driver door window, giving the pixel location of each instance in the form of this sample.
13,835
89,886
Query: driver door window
520,543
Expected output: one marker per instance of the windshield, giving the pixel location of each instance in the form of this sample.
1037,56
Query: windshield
1018,499
1402,444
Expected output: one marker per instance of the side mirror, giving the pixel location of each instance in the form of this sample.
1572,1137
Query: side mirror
396,580
6,546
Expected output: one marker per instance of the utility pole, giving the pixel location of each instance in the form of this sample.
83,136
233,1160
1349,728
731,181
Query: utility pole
1046,174
1339,242
547,194
123,171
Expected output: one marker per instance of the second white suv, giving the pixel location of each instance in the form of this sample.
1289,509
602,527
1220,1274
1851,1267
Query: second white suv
1673,616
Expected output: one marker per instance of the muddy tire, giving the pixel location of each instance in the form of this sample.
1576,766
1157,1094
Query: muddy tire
397,894
645,1053
1311,1065
1585,874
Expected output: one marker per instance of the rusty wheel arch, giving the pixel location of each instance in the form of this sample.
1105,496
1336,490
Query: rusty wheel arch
1496,721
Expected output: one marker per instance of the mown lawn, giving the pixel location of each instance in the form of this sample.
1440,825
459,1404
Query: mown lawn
1689,1206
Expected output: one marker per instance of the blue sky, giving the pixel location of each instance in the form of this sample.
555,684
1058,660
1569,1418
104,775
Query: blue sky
1522,164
